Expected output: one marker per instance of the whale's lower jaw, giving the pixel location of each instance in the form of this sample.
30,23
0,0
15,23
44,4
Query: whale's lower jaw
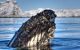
41,39
38,40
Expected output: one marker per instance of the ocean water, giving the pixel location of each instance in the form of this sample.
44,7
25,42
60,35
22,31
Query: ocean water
66,36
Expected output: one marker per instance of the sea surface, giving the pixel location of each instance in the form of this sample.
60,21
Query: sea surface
66,36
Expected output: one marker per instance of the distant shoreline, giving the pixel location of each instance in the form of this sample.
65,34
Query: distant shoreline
14,17
57,17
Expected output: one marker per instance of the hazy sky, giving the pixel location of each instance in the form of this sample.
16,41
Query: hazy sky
34,4
56,4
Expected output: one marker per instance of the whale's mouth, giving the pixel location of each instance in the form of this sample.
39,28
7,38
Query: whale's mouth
35,40
41,38
39,41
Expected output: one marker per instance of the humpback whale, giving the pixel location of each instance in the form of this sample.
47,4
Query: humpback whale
35,33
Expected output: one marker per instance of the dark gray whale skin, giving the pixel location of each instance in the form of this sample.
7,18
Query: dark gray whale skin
41,26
